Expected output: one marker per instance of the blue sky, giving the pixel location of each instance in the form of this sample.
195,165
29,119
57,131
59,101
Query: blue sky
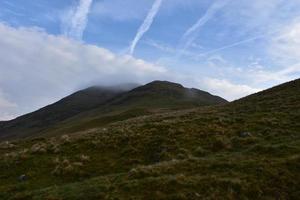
231,48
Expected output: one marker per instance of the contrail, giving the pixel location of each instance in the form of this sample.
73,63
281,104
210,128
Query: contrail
233,45
77,20
146,25
191,34
239,43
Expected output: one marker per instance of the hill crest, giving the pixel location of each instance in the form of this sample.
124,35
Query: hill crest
95,103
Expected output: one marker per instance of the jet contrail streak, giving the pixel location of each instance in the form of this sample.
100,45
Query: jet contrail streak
191,34
239,43
146,25
76,22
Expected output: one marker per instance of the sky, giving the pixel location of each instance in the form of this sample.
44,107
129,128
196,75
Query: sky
230,48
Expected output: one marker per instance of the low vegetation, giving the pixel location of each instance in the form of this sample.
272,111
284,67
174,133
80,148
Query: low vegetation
248,149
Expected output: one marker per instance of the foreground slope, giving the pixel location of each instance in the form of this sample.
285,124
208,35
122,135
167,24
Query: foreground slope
248,149
102,105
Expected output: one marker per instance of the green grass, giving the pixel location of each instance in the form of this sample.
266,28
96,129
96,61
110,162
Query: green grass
188,154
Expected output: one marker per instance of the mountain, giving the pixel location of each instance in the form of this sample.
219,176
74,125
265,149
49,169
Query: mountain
101,105
166,94
69,106
246,149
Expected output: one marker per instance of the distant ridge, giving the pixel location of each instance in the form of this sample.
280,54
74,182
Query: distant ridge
166,94
92,103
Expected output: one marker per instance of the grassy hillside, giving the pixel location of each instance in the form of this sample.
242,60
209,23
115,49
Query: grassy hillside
166,94
155,97
247,149
67,107
102,105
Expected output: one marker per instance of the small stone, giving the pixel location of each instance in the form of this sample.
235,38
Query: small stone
132,172
23,177
245,134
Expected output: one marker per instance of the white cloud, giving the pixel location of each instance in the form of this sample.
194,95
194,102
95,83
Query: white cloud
285,74
257,16
4,103
284,50
75,20
37,68
6,116
286,45
6,107
226,89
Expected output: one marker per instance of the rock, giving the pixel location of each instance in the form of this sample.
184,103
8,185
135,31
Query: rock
132,173
245,134
23,178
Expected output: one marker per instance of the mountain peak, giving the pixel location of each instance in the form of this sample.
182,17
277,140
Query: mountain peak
118,87
97,101
164,83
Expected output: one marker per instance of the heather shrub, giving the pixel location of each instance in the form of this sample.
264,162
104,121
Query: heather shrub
24,154
54,148
84,158
62,167
199,151
10,157
7,145
66,167
220,143
65,139
38,148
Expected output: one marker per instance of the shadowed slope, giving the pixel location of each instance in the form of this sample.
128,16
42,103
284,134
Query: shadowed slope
247,149
166,94
97,106
74,104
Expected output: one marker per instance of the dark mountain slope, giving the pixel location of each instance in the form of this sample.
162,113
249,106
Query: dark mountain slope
247,149
154,97
166,94
74,104
99,106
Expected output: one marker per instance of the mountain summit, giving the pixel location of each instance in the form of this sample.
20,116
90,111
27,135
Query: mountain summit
166,94
95,105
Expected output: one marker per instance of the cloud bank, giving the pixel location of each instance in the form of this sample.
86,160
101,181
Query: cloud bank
227,89
74,23
38,68
286,44
6,107
146,25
